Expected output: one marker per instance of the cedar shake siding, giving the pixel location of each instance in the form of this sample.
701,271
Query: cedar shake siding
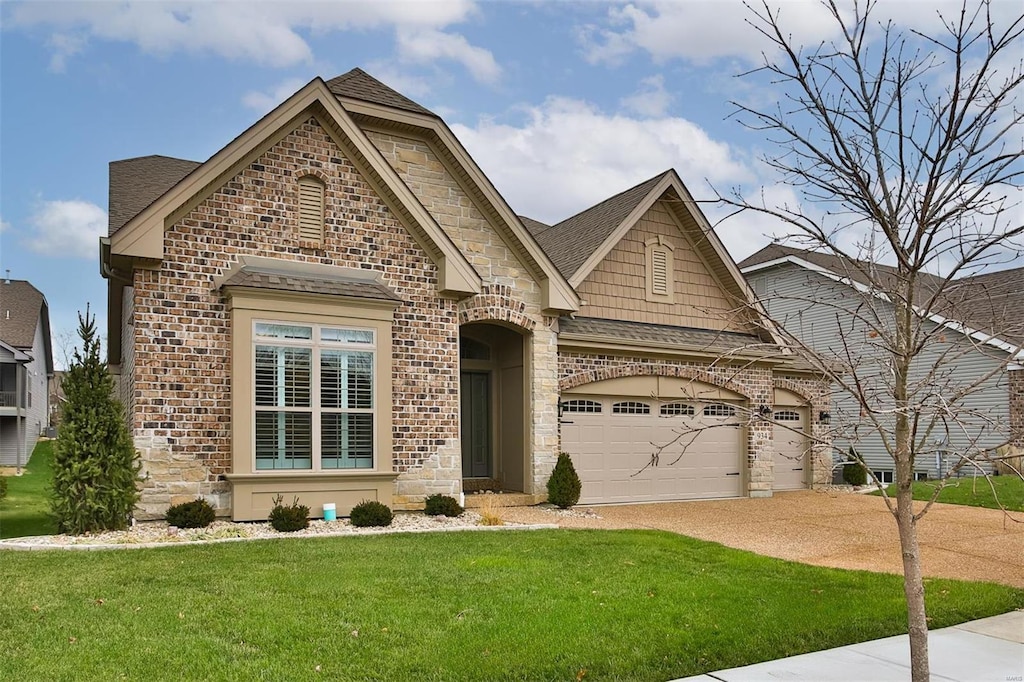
615,289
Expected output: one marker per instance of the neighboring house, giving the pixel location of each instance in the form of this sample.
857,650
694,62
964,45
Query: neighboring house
815,296
339,305
26,365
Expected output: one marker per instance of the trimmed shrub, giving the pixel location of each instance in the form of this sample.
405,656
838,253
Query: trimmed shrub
95,466
195,514
854,474
443,505
371,513
289,518
564,485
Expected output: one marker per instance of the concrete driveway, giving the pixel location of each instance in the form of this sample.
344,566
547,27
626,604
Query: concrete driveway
827,528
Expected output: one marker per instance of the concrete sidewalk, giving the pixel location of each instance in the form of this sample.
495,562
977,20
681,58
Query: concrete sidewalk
987,650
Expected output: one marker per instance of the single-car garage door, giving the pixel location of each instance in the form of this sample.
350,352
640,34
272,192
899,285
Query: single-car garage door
611,440
790,448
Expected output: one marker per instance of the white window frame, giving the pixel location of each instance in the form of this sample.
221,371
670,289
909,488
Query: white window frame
316,344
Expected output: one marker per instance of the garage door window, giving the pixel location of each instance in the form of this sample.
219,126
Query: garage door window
581,406
787,416
719,411
677,410
630,407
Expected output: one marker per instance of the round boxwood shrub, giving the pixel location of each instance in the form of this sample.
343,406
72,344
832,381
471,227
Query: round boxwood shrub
371,513
195,514
289,518
443,505
855,473
564,485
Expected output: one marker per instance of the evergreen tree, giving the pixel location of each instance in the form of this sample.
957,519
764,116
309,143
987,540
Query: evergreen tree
564,485
95,464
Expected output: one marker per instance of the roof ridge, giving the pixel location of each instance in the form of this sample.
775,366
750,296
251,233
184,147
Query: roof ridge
358,84
155,156
614,197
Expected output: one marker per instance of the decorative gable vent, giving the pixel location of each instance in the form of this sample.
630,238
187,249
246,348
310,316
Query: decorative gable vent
311,209
660,270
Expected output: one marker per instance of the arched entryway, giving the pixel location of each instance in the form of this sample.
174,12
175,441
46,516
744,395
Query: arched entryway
494,380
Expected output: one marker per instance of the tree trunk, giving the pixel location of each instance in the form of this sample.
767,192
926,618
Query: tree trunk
913,586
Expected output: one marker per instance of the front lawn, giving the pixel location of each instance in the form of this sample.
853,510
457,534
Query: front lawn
973,491
509,605
26,509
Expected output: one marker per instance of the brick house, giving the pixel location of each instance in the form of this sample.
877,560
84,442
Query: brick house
339,305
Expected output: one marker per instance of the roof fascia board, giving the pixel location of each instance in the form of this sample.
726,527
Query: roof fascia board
619,232
595,342
1015,352
143,235
559,294
19,355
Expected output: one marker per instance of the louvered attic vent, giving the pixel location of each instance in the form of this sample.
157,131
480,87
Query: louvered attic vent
659,272
311,209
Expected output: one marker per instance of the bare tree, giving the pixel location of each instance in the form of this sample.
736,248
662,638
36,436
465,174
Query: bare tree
905,150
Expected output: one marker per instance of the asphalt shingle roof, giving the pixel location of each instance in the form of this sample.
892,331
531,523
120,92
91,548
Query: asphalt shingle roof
357,84
137,183
571,242
534,226
703,340
20,307
312,285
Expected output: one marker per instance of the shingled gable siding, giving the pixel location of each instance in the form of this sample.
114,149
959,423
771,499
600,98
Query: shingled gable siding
757,384
510,292
181,419
615,289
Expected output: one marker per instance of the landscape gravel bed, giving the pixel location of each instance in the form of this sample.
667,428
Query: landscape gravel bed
155,534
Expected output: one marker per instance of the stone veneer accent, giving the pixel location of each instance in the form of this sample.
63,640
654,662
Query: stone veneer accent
510,296
1016,387
755,383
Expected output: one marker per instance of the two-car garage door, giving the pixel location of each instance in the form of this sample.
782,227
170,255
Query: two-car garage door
612,439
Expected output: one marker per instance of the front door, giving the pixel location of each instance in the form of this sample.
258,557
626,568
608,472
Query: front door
476,424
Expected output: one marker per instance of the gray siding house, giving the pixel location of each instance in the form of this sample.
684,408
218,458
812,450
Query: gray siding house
26,365
820,300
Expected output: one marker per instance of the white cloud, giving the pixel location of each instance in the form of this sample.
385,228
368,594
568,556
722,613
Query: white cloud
568,155
66,228
429,45
266,33
267,100
4,225
704,30
651,99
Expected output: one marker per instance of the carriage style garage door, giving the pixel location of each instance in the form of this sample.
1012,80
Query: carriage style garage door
610,441
790,448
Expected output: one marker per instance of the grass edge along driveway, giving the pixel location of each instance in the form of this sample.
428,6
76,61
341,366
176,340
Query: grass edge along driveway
526,605
972,491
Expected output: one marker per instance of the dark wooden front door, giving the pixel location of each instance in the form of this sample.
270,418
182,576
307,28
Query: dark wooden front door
476,424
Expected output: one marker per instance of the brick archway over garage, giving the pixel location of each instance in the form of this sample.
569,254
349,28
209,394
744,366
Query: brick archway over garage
639,370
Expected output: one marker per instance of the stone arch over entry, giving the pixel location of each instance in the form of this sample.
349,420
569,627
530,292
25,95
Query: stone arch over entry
496,303
637,370
795,388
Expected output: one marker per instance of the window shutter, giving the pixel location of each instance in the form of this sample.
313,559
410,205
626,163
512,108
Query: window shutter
311,209
659,272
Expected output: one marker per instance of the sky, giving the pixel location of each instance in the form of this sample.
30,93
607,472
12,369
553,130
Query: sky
561,104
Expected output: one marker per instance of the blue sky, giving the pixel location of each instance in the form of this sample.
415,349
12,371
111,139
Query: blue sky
562,104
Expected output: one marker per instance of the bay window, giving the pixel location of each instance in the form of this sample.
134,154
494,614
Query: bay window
314,396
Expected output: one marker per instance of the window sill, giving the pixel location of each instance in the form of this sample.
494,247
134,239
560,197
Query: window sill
348,475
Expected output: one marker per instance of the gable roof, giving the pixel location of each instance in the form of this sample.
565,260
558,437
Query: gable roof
22,309
571,242
138,182
534,226
985,307
357,84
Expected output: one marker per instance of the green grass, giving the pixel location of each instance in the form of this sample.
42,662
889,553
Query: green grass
531,605
26,509
974,492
